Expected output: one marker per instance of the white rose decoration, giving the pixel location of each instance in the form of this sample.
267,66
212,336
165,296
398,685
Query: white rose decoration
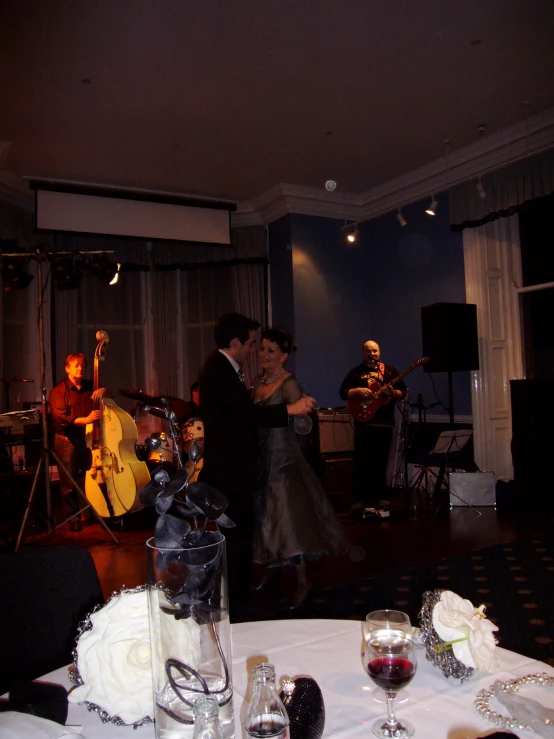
115,659
459,623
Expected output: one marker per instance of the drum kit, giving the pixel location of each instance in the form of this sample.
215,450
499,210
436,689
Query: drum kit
182,446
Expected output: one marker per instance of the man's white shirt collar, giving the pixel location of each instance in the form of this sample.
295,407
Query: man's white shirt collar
235,364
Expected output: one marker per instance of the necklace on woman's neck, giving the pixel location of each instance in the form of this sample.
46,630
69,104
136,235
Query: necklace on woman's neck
265,381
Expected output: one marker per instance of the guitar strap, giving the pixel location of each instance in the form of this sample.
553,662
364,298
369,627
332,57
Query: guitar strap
381,371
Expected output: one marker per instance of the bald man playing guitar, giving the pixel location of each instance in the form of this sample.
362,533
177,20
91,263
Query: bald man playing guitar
371,401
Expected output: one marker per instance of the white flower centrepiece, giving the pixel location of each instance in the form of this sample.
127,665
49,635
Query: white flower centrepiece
466,628
114,659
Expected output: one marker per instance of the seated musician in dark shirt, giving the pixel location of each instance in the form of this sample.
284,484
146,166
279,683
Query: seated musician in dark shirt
71,405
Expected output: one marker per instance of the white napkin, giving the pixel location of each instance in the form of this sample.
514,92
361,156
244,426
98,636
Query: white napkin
527,711
14,725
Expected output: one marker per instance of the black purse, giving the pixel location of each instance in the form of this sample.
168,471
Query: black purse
303,700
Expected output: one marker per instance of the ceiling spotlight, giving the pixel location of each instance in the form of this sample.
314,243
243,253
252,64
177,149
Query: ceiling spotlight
400,218
432,209
352,236
66,275
481,189
105,270
14,273
330,185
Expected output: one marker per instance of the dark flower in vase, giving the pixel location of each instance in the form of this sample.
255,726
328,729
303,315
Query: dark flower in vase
181,543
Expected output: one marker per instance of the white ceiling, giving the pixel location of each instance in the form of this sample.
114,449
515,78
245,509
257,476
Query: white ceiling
228,98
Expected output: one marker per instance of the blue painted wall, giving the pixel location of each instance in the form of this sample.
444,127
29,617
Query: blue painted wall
346,294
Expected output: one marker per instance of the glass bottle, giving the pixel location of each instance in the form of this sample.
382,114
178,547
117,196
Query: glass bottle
206,718
266,715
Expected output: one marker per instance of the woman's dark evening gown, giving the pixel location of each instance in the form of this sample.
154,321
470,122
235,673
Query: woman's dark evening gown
294,520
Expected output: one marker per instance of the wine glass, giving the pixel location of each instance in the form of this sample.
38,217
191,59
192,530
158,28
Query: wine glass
303,425
387,620
390,661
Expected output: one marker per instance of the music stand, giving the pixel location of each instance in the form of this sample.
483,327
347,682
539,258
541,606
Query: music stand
447,443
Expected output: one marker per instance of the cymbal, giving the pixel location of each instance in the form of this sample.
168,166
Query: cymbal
174,405
139,396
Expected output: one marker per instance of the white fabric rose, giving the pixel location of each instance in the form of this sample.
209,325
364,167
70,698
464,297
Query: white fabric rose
457,620
115,659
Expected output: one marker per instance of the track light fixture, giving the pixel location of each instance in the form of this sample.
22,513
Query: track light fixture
14,273
105,270
400,218
432,209
481,189
66,274
352,236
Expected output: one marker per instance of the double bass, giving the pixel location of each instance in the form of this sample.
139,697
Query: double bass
115,476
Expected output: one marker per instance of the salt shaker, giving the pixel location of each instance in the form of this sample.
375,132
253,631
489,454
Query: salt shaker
266,715
206,718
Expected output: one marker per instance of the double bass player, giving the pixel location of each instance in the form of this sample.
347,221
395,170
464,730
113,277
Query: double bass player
71,405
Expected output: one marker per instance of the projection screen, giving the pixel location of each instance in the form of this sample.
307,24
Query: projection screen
126,216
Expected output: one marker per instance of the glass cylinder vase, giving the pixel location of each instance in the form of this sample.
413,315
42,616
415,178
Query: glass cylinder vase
190,634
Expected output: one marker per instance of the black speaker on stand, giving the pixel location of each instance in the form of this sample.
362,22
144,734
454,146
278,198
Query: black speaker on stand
449,337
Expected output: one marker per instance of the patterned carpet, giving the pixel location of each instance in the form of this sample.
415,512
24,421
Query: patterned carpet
514,581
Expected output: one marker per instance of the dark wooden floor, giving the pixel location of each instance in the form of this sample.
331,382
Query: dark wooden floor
376,547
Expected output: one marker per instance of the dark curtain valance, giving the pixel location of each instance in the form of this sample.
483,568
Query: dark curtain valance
508,190
248,245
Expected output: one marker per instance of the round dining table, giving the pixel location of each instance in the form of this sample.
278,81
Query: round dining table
330,652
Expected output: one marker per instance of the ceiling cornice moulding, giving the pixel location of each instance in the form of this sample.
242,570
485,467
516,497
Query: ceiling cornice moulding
14,189
488,154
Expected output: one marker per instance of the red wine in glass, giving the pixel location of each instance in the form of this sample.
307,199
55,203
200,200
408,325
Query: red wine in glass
391,673
390,660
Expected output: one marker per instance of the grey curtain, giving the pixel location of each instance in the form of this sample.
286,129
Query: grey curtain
507,190
160,322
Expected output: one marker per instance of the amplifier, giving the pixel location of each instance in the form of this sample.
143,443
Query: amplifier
336,430
472,488
337,473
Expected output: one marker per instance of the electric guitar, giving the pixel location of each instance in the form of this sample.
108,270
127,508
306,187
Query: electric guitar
363,408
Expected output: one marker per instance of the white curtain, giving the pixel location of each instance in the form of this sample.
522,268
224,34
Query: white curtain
492,266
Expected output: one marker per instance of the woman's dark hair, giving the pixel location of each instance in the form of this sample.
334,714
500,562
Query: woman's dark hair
282,338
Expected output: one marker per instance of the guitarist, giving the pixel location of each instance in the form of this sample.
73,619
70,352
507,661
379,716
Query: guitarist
372,438
71,405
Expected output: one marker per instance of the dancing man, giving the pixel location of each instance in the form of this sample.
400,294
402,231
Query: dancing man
230,435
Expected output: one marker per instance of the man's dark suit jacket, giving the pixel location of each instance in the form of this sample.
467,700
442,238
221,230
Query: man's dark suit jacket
230,432
230,444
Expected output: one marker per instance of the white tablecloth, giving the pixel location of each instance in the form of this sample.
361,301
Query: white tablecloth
329,651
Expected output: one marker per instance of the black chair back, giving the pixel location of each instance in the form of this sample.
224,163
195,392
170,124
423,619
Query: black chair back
45,592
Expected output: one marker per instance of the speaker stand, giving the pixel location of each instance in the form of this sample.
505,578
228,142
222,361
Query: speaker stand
450,398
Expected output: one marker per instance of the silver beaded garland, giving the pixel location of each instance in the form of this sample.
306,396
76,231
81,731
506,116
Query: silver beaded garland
445,660
482,702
